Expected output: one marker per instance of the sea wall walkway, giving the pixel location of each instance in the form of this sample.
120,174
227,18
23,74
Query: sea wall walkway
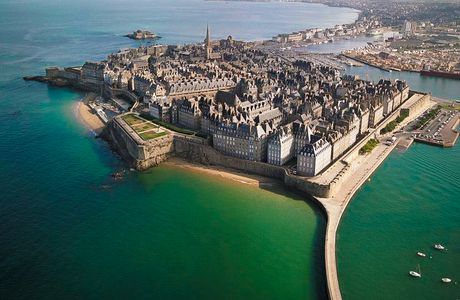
360,168
336,205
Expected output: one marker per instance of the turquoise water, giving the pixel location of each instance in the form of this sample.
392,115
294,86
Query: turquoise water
67,230
411,203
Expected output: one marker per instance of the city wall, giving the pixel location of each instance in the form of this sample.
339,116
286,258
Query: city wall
143,155
203,154
136,152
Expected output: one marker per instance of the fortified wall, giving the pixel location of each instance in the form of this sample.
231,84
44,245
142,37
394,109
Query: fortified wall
139,154
142,154
203,154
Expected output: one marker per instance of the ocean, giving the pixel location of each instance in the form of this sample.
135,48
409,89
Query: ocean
68,230
410,204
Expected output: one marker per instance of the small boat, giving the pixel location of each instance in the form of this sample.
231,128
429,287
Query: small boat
439,247
421,254
416,274
446,280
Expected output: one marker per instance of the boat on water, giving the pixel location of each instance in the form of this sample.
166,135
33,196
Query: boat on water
416,274
446,280
439,247
421,254
451,75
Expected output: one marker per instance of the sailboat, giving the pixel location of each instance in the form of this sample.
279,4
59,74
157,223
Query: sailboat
416,274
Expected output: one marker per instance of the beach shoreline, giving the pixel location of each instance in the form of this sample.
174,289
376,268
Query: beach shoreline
87,118
223,173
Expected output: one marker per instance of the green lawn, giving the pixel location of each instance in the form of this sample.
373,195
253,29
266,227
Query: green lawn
152,135
144,127
132,119
450,107
168,125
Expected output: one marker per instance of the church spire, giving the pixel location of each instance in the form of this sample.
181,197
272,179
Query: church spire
208,36
208,46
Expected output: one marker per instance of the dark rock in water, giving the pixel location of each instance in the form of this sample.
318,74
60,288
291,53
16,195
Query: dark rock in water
117,175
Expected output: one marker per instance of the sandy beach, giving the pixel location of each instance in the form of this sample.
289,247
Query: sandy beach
224,173
88,118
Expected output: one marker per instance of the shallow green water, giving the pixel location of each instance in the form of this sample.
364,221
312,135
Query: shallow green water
411,203
68,231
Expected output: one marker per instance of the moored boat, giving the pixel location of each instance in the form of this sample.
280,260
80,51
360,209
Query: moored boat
446,280
439,247
421,254
416,274
451,75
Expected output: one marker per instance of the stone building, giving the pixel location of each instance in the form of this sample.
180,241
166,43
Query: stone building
314,157
375,115
242,140
198,87
280,147
160,108
93,72
142,84
342,140
302,136
273,116
189,114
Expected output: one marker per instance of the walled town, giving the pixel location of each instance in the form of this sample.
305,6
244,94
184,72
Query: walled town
253,107
248,103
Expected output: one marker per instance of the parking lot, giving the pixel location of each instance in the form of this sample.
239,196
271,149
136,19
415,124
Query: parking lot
439,130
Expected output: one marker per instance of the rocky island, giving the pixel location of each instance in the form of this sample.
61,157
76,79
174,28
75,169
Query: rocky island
142,35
